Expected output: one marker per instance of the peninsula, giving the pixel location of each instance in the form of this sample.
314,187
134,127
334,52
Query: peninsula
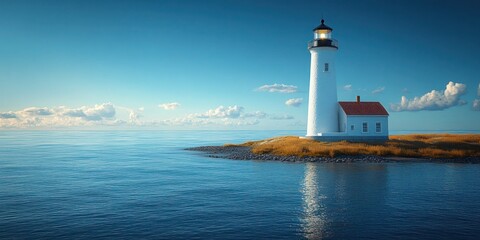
417,147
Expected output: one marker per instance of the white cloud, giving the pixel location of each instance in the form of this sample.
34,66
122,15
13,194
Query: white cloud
281,117
34,111
348,87
230,112
7,115
476,102
192,121
108,114
182,122
241,122
222,112
295,102
96,113
434,100
220,116
378,90
134,115
257,114
101,114
281,88
476,105
169,106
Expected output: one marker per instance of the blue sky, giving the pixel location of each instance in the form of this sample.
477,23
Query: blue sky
202,64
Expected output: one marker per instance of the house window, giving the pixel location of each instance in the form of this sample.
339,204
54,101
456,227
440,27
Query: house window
378,127
352,127
364,127
326,67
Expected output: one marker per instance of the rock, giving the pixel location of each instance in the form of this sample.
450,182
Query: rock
244,153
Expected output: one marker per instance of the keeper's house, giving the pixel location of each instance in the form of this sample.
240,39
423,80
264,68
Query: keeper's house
363,121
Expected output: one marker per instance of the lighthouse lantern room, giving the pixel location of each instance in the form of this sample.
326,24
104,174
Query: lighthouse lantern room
322,31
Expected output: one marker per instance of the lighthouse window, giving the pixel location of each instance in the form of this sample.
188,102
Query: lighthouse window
326,67
364,127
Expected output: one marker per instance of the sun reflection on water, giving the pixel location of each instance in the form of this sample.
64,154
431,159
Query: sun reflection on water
313,218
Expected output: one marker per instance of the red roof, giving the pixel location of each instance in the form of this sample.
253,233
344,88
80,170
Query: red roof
363,108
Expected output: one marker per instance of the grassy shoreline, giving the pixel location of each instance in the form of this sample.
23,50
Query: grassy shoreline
408,146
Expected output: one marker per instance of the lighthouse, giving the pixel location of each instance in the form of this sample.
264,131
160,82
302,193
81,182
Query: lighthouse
322,101
328,119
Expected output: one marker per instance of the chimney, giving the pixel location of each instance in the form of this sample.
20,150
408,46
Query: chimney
358,99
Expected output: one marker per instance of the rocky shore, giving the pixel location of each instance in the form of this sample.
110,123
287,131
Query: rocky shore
244,153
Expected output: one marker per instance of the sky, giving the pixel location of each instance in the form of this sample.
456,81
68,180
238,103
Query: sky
185,65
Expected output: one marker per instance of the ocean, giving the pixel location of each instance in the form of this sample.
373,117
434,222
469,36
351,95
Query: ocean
144,185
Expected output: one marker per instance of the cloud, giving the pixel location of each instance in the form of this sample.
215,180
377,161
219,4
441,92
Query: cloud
295,102
257,114
100,114
281,88
476,105
185,121
108,114
378,90
281,117
434,100
34,111
191,121
347,87
7,115
220,116
222,112
134,115
230,112
476,102
74,113
96,113
169,106
223,116
241,122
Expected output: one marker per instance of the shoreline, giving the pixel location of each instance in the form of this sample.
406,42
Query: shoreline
245,153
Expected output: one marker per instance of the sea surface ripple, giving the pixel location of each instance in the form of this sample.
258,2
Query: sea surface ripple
143,184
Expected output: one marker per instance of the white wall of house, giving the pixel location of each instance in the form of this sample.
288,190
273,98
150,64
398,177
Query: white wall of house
347,121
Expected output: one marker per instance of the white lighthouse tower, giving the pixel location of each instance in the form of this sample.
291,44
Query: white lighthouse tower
322,101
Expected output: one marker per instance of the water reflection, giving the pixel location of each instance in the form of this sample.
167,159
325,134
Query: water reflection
314,211
341,196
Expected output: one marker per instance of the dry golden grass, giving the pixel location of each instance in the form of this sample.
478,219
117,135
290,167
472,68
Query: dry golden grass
414,145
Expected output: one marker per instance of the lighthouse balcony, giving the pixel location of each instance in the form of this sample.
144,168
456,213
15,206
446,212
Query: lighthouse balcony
323,43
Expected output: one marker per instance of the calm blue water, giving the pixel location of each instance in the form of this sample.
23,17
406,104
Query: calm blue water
140,184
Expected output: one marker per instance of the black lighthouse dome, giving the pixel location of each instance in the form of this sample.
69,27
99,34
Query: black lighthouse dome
323,37
322,26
